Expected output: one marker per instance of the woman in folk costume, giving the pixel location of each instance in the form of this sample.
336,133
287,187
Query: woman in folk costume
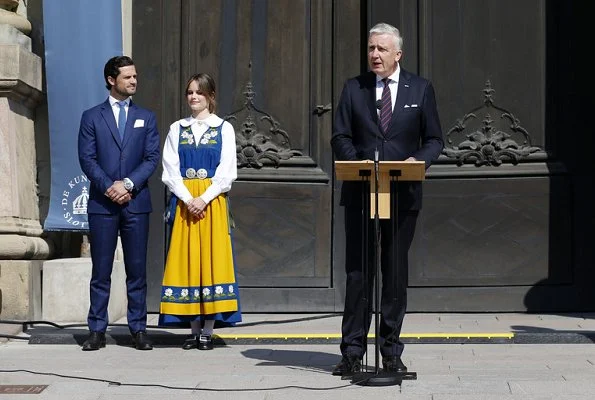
199,166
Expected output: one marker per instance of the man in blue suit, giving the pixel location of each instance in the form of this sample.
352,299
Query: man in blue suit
394,111
118,147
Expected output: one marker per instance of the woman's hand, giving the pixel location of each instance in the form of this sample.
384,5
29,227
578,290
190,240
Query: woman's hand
196,207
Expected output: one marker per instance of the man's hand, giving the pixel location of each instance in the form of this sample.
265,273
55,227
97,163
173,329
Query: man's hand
124,199
117,193
411,159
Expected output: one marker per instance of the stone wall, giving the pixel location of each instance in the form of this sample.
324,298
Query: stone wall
21,241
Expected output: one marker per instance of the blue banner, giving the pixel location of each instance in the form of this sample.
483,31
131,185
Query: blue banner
80,36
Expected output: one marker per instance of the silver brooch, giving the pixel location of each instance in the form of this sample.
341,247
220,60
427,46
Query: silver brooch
201,173
190,173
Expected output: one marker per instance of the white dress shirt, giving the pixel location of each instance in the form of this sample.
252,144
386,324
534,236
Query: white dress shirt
116,108
225,173
393,84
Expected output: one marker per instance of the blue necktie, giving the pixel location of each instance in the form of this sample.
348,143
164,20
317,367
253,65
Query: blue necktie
122,119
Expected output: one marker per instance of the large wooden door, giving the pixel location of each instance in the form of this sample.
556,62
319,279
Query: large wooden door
272,64
502,219
499,231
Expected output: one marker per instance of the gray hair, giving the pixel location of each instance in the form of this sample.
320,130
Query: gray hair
384,28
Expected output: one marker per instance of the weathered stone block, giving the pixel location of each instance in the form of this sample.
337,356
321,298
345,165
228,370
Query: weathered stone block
20,289
66,290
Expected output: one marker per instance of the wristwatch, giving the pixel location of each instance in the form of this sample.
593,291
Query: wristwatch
128,184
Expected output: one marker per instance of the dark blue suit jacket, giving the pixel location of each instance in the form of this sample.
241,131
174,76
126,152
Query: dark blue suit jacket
414,131
104,158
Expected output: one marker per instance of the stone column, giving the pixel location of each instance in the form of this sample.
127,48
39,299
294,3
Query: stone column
21,244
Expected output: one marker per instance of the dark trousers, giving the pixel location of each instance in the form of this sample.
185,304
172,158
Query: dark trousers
393,303
134,231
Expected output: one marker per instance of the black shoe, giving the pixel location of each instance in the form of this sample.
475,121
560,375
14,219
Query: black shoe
393,364
141,341
205,342
95,341
348,365
191,342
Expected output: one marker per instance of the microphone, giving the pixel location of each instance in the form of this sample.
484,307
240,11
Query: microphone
379,107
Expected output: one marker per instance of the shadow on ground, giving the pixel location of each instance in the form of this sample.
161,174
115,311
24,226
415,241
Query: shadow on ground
310,360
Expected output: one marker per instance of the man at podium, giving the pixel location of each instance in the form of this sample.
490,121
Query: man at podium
387,114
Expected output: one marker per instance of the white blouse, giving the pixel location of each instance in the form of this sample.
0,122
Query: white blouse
225,173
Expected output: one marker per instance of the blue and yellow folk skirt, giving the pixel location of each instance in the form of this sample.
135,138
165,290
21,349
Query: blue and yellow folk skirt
199,280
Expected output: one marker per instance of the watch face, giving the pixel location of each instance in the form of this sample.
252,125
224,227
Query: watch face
127,185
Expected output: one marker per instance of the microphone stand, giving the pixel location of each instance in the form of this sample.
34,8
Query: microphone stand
376,378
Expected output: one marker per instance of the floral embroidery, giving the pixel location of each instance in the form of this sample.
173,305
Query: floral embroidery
198,294
207,137
187,136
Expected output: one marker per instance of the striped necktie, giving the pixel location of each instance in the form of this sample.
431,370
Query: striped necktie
386,111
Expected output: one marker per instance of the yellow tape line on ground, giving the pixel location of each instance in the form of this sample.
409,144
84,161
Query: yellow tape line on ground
307,336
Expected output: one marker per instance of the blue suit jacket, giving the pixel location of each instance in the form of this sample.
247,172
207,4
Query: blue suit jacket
414,131
104,158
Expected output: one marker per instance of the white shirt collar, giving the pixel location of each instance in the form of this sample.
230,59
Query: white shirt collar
211,121
113,101
393,77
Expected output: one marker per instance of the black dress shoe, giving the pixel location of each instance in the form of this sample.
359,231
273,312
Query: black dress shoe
191,342
95,341
348,365
393,364
141,341
205,342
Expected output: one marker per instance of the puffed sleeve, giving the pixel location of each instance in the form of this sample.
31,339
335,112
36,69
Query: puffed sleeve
227,171
171,176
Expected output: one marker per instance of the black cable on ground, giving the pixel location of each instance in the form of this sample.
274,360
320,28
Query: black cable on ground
55,325
14,337
116,383
84,325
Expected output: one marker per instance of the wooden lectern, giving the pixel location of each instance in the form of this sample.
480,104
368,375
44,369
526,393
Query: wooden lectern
401,170
390,173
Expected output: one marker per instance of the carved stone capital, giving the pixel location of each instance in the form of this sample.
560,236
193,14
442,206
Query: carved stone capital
9,5
20,226
20,75
17,247
16,20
